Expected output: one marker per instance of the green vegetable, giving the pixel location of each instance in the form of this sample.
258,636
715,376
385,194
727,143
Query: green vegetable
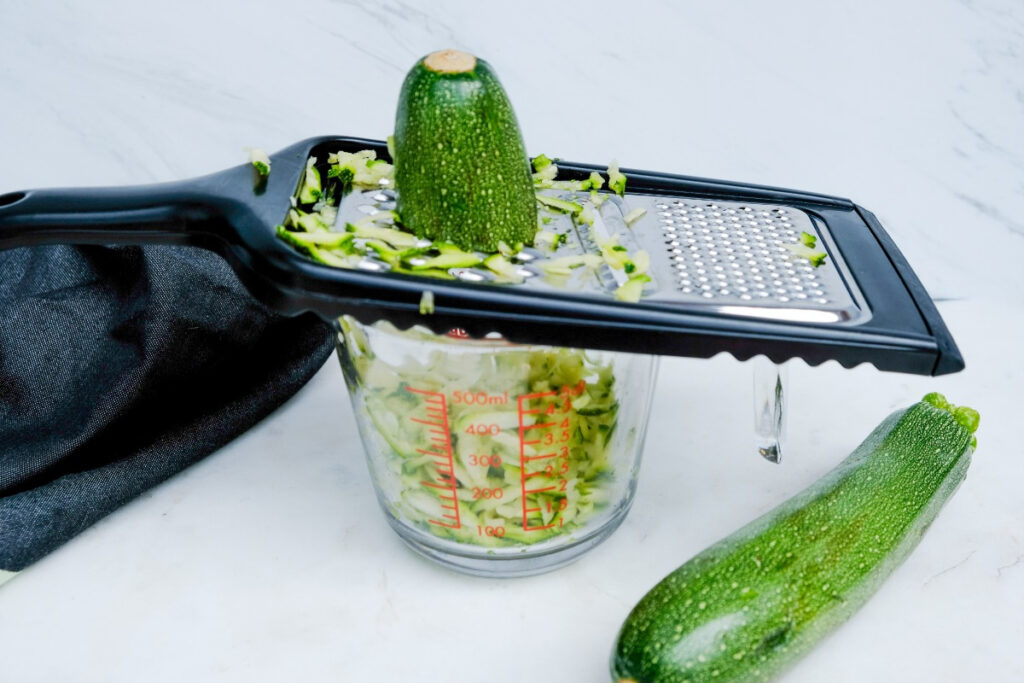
309,222
562,205
310,188
816,258
614,254
383,235
616,180
503,267
633,216
449,256
360,169
328,240
752,604
260,161
545,172
587,215
460,160
484,432
427,303
808,240
328,258
566,264
394,237
632,289
642,261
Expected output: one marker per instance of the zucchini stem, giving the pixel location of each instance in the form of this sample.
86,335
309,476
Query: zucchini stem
450,62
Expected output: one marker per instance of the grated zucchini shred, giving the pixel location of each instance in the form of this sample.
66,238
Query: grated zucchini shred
562,496
260,161
382,237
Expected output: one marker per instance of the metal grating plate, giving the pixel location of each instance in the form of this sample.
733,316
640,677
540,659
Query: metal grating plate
718,257
732,257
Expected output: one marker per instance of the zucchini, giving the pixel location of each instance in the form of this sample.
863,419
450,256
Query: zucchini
459,156
749,606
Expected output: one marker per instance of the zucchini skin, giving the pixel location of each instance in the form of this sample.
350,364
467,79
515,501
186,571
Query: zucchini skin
752,604
460,162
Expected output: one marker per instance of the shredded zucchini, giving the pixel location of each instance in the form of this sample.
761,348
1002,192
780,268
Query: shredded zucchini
817,258
633,216
360,169
587,215
310,188
503,267
632,289
381,235
616,180
487,451
260,161
566,264
562,205
427,303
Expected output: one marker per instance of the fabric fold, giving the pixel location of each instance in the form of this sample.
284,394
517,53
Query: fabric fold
120,366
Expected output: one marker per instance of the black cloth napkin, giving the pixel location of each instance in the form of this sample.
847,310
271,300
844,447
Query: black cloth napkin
120,366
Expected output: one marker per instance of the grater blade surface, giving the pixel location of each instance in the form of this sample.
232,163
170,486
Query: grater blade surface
716,256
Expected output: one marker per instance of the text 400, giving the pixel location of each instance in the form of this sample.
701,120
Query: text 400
484,429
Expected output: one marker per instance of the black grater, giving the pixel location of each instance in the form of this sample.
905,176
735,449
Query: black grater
722,279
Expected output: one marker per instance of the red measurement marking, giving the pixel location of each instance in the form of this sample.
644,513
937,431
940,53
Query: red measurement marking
543,456
436,410
524,410
431,396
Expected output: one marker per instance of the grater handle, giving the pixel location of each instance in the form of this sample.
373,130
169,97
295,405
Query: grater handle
770,389
173,213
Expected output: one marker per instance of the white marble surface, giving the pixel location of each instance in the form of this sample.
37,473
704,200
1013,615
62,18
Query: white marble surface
269,561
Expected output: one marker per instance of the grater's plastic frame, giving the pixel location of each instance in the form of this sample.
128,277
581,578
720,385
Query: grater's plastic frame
905,332
226,213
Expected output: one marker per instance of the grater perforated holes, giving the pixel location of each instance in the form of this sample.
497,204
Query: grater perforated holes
748,240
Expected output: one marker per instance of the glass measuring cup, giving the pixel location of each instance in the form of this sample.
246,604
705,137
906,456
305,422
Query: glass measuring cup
493,458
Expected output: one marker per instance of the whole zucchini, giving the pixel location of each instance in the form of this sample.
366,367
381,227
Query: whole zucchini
750,605
460,164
